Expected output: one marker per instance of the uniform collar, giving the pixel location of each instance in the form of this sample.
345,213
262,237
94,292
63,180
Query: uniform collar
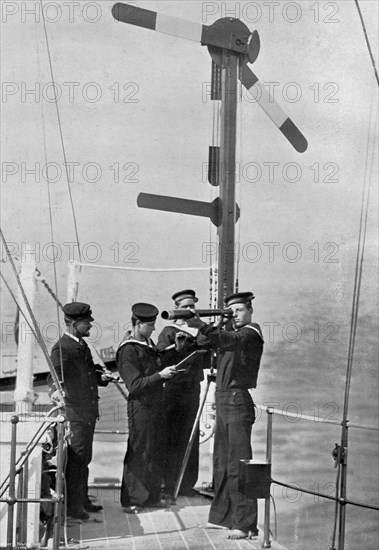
77,340
72,336
131,340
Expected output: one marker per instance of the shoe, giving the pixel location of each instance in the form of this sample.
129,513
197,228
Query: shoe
131,509
78,515
92,507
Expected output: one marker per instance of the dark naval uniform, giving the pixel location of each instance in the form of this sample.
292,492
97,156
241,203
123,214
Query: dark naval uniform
239,358
138,364
181,403
81,378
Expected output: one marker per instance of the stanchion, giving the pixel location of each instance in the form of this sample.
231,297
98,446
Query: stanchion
266,534
210,378
59,482
12,478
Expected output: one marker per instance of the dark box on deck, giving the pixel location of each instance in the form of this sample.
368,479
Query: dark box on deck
254,479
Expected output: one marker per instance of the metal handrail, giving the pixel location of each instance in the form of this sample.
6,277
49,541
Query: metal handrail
17,467
313,419
47,422
341,501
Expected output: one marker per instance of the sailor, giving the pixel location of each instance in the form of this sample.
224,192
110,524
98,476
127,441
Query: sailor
80,379
239,356
140,367
181,398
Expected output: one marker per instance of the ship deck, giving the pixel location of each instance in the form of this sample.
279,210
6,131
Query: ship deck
178,527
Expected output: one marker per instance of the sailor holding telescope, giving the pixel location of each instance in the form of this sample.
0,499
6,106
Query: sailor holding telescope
238,360
182,393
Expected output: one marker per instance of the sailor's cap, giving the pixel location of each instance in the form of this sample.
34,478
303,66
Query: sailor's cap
184,295
144,312
77,311
239,298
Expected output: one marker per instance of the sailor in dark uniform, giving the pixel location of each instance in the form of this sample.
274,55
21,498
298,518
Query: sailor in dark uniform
140,367
239,355
80,378
181,398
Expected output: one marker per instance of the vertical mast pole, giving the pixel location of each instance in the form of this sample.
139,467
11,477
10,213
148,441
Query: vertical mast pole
226,231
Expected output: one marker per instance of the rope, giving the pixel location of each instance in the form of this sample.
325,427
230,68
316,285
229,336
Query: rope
43,281
60,130
359,266
37,331
367,40
55,296
48,288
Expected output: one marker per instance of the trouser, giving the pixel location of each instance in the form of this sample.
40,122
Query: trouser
180,411
235,416
79,455
141,481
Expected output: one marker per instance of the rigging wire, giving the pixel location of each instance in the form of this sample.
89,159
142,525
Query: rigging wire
359,263
61,131
354,320
367,41
57,301
39,338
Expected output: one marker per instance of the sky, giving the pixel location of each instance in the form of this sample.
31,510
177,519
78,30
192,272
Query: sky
135,117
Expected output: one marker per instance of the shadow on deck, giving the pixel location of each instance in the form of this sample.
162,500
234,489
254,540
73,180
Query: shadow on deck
179,527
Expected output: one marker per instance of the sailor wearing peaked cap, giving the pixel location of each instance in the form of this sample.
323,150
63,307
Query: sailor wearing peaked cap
77,311
184,295
181,397
80,377
237,371
146,313
140,366
239,298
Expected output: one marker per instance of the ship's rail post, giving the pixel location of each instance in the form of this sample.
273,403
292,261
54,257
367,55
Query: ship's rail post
266,530
12,483
59,481
22,507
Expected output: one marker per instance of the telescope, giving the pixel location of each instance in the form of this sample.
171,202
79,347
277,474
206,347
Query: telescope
188,313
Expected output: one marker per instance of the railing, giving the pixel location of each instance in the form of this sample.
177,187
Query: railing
340,456
18,476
